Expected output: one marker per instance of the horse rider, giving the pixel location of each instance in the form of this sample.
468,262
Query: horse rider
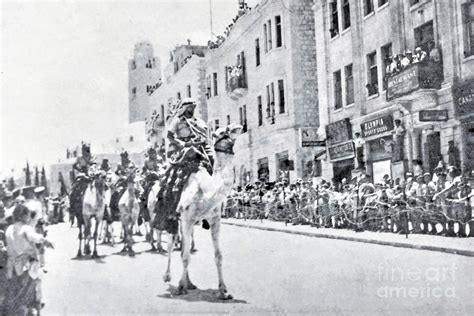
188,151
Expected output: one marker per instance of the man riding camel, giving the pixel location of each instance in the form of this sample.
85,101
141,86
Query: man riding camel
188,151
81,170
122,172
151,171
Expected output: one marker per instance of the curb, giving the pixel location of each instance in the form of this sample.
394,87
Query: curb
460,252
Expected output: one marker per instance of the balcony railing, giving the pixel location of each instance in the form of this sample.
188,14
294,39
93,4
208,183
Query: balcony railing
423,75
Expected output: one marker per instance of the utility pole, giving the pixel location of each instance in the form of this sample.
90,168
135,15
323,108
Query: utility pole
210,18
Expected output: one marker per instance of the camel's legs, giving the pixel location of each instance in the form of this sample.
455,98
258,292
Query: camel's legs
87,235
215,230
79,252
159,247
96,233
167,276
186,231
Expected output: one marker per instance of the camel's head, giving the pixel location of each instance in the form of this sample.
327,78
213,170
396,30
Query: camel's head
224,138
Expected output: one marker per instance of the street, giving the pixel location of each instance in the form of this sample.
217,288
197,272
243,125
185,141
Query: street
266,272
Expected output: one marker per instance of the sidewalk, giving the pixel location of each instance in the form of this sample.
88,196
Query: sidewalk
453,245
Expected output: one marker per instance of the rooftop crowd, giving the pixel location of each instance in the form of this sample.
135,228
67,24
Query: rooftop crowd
438,203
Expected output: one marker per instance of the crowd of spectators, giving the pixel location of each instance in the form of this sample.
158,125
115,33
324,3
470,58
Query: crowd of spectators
220,39
438,203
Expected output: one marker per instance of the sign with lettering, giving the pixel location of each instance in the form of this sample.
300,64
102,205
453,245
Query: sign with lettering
341,151
338,132
403,82
433,115
309,138
377,126
464,98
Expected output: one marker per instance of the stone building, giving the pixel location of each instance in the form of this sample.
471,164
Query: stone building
144,76
184,78
409,118
263,76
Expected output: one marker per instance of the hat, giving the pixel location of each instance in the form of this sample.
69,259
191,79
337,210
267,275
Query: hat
418,49
439,167
427,174
39,189
452,168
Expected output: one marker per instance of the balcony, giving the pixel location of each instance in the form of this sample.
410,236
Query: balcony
236,81
423,75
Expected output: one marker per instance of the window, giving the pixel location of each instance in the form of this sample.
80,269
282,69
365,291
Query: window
269,34
216,124
260,110
281,97
337,90
257,52
413,2
241,117
278,31
349,84
131,138
468,20
214,78
134,92
162,112
189,90
134,65
265,37
382,2
386,52
228,119
244,113
373,83
178,95
346,14
424,35
208,84
334,30
368,7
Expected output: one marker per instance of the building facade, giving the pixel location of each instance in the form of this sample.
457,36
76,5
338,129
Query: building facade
184,78
144,76
263,76
407,119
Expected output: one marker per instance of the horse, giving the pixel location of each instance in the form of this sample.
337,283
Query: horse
201,199
129,210
96,198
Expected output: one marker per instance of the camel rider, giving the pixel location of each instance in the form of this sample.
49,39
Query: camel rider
151,171
188,150
81,170
122,171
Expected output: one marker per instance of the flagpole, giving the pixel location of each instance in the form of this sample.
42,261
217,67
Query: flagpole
210,17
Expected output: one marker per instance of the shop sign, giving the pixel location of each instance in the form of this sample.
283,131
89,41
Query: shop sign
309,138
403,83
339,132
381,148
464,98
341,151
433,115
377,126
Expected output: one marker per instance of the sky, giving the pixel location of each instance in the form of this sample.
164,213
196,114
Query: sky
64,67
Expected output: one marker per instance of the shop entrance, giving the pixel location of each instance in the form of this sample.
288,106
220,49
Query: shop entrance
342,169
432,151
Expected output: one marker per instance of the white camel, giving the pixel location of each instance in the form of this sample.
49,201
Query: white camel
201,199
96,198
151,202
129,210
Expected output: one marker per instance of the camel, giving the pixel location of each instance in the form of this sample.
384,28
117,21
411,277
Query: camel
201,199
129,210
96,198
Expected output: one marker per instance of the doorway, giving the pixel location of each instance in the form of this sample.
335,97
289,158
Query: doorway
432,151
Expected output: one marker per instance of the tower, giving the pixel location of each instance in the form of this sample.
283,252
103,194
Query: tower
144,76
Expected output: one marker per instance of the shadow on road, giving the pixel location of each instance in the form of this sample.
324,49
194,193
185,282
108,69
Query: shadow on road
89,258
198,295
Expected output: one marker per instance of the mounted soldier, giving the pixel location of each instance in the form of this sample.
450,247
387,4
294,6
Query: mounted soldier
120,186
188,151
151,171
81,170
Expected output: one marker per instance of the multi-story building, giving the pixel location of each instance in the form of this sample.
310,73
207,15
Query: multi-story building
263,76
144,76
409,118
184,78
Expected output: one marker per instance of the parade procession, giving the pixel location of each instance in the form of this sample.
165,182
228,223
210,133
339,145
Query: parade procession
316,157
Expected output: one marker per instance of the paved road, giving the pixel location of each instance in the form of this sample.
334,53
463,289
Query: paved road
266,272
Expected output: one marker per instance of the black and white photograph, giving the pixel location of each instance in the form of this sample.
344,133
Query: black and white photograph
236,157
